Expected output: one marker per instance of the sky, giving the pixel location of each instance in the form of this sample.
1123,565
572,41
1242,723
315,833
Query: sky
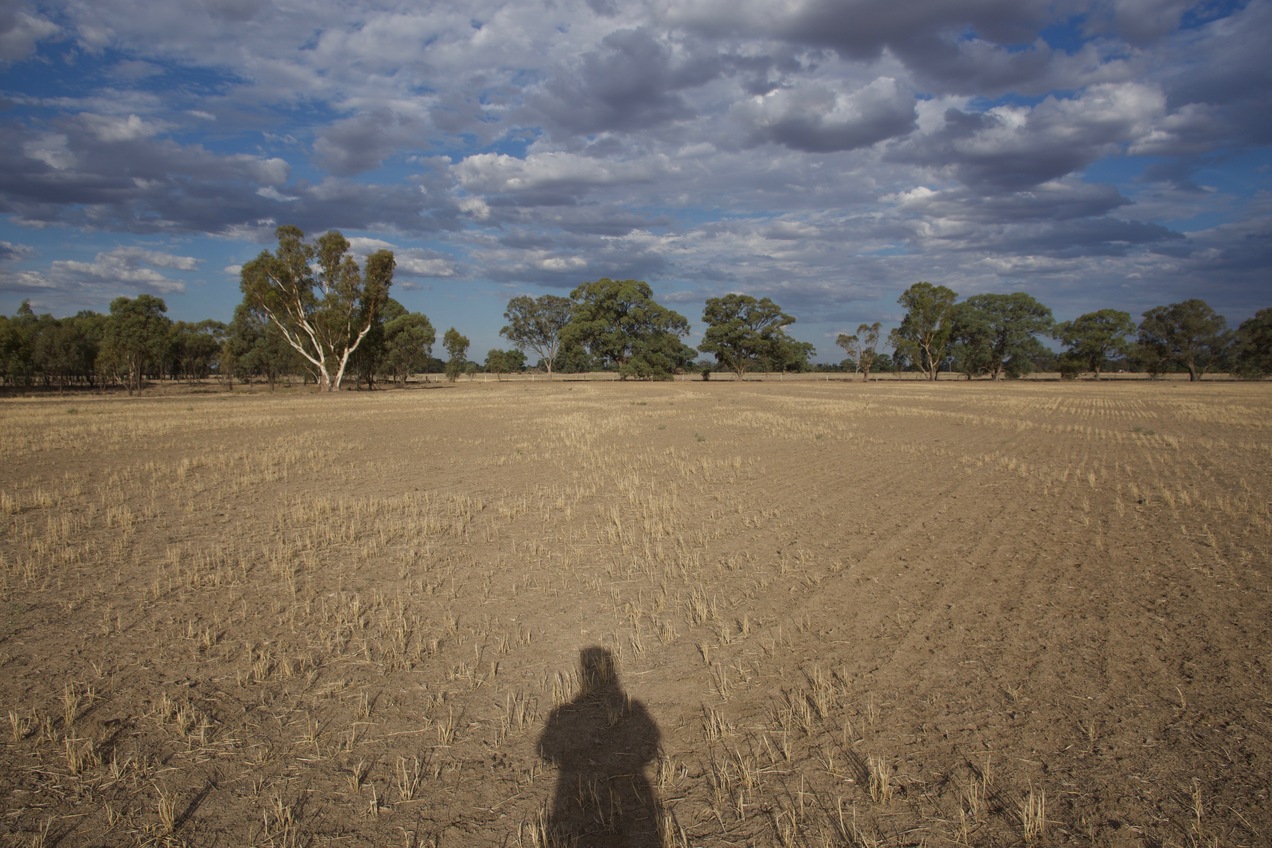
823,153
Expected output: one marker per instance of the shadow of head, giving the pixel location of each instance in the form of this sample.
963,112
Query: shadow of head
597,672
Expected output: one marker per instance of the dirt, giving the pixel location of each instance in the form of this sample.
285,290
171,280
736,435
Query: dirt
693,614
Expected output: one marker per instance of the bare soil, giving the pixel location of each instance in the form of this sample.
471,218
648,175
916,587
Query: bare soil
689,614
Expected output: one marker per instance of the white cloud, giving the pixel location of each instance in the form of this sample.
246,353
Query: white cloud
496,173
111,128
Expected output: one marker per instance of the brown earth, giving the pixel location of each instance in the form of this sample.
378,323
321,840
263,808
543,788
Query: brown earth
835,613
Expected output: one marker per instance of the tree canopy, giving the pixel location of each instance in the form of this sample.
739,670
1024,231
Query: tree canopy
1189,334
136,336
324,313
862,347
1094,338
745,333
996,334
1254,345
536,324
620,323
925,330
457,352
408,345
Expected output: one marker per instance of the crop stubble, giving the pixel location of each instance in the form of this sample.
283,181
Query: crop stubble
858,614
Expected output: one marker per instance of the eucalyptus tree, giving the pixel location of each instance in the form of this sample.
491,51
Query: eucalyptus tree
500,362
1096,337
620,323
744,332
135,338
254,347
925,330
318,297
862,347
1254,345
456,351
536,324
1189,334
997,334
408,345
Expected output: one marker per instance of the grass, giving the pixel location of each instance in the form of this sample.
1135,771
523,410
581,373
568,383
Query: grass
351,619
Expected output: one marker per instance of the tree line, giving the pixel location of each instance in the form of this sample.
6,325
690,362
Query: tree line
998,335
310,309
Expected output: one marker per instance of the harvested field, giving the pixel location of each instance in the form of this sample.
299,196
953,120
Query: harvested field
839,614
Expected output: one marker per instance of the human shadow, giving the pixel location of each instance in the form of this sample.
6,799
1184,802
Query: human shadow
601,742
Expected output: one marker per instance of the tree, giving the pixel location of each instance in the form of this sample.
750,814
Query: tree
536,324
499,362
790,355
1254,345
367,362
925,330
254,347
862,348
744,332
1189,334
194,350
136,337
324,313
996,334
1093,338
456,349
619,322
408,345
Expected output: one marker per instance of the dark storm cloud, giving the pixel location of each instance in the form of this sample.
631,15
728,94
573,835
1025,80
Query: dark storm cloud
631,82
1014,148
363,142
21,29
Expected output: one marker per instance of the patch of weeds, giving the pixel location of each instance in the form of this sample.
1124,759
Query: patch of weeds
1143,431
72,411
699,436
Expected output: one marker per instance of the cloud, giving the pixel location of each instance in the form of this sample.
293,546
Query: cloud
121,271
1016,147
826,152
632,82
816,119
21,30
551,178
363,142
110,128
10,252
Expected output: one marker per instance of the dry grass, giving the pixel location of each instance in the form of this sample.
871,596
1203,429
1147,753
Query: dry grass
859,615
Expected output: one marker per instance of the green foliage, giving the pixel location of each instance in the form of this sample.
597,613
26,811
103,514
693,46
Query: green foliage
194,349
1092,339
456,349
996,334
862,348
745,333
501,362
45,350
254,348
135,338
408,345
790,355
326,315
1253,349
619,323
536,324
574,359
1188,334
925,330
